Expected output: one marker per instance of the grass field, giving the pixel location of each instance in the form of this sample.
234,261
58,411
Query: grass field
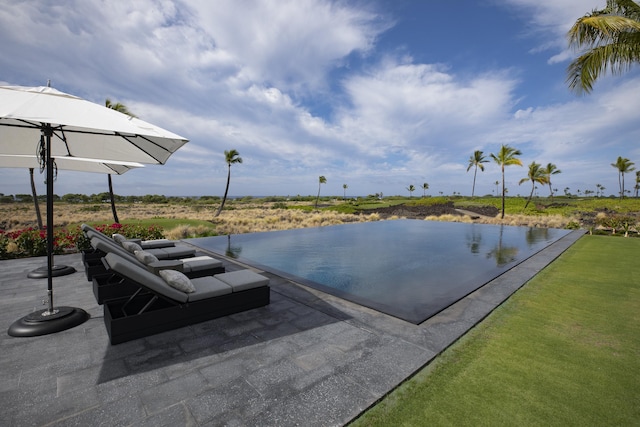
564,350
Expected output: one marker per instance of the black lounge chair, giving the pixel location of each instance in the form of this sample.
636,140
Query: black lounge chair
145,244
107,286
170,252
158,306
93,265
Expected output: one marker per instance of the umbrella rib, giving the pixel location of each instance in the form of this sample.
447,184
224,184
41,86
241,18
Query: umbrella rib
29,125
144,151
64,139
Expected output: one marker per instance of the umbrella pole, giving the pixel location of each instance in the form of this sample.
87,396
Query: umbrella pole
47,131
50,270
52,319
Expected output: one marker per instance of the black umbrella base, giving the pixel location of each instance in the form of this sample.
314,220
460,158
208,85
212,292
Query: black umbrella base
43,323
56,270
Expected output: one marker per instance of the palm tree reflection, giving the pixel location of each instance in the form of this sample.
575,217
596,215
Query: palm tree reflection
535,235
232,251
503,254
474,240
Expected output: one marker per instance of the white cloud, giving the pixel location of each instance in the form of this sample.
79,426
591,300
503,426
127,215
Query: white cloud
548,21
260,77
288,44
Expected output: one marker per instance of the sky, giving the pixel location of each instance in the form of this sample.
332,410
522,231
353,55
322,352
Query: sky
377,95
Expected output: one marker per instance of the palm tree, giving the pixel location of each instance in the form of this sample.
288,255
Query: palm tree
637,187
476,161
231,157
121,108
344,188
623,165
611,37
425,187
536,174
551,169
497,183
411,189
506,157
321,180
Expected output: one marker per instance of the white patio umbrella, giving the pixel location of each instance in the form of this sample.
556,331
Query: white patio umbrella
71,128
69,163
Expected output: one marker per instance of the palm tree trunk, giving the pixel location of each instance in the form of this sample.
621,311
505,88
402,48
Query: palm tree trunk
533,186
502,216
226,190
318,197
113,201
620,185
473,189
550,190
35,200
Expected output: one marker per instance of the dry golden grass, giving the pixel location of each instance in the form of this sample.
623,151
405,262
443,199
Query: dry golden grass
245,219
256,219
22,215
241,218
546,221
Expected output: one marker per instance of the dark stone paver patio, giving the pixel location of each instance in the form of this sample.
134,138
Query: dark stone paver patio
306,359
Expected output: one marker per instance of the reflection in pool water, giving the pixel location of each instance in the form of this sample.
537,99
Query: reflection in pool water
409,269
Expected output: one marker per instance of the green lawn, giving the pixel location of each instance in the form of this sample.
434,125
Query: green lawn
564,350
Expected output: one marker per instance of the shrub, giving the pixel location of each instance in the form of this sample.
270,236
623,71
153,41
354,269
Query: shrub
572,225
33,242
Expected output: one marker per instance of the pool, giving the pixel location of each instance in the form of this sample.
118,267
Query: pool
409,269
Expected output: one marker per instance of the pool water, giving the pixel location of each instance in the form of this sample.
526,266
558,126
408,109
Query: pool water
409,269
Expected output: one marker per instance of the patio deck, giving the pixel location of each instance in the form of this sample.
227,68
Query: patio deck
308,358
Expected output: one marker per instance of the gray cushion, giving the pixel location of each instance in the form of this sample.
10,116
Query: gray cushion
173,252
201,263
208,287
177,280
119,238
243,279
158,243
131,247
145,257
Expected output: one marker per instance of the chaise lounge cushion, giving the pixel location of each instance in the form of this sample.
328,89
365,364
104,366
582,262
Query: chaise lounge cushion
172,252
200,263
192,267
177,280
205,287
157,243
208,287
242,280
119,238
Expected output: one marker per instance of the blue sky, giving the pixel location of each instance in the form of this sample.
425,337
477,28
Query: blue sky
377,95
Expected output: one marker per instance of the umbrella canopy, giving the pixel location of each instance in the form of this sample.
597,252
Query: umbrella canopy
70,163
43,120
80,128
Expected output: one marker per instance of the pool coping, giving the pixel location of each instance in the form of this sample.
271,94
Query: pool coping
308,358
